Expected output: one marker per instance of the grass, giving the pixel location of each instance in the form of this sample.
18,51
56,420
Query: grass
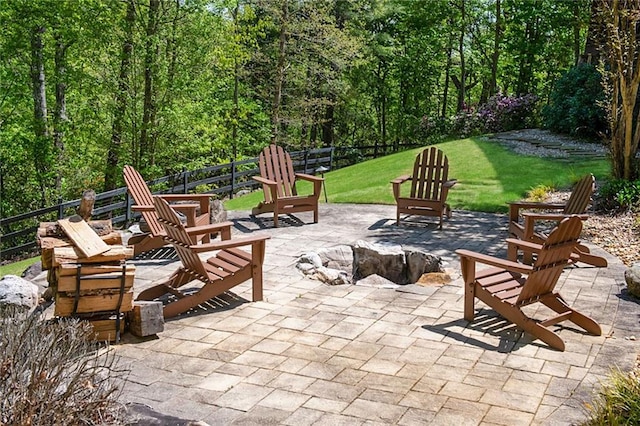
17,268
618,402
489,176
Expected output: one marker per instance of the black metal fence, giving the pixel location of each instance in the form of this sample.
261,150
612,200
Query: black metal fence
17,233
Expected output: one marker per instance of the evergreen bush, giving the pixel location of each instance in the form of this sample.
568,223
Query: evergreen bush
575,105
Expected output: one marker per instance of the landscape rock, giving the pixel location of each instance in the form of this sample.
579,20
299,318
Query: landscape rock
376,281
311,258
18,292
387,261
218,212
332,276
632,277
338,257
419,263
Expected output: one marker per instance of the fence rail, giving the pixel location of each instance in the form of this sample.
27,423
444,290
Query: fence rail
18,233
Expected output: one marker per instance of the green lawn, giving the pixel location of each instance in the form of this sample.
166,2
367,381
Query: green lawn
488,176
17,268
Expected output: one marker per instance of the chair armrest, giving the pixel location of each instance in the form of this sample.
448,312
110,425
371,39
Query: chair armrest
264,181
236,242
494,261
537,205
310,178
401,179
551,216
142,208
223,227
524,245
184,197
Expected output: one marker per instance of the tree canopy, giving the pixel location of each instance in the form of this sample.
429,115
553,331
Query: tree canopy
89,86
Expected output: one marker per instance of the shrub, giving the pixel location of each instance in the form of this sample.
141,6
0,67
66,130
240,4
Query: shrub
620,194
500,114
503,113
575,103
618,402
539,193
52,374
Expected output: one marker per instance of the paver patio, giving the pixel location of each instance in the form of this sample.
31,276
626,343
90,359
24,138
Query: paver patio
310,353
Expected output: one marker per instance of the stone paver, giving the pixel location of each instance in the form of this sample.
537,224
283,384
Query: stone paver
315,354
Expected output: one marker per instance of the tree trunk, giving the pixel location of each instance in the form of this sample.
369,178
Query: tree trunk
591,54
445,95
463,70
38,83
277,93
623,77
60,118
115,147
327,126
40,125
149,107
497,37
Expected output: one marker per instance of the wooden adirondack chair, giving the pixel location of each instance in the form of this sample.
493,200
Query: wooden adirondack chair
509,286
429,186
576,205
197,213
278,181
229,267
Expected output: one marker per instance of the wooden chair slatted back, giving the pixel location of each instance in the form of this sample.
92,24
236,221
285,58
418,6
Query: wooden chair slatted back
430,172
275,164
142,196
552,259
580,195
179,237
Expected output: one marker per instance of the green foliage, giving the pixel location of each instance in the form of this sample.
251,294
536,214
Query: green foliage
575,104
617,402
620,194
539,192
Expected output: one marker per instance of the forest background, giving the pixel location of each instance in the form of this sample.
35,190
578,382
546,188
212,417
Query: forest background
87,86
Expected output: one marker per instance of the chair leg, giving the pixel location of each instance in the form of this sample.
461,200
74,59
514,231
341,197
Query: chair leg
591,259
558,305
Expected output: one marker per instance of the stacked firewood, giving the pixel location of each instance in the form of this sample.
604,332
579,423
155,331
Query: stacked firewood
87,273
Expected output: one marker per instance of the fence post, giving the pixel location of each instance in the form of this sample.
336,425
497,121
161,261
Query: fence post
60,208
127,210
184,180
233,178
306,160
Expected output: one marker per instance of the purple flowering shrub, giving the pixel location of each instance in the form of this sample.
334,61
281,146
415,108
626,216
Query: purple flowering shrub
502,113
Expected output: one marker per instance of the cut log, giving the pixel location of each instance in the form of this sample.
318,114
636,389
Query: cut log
93,303
83,237
100,281
47,244
85,209
51,229
74,255
104,327
146,318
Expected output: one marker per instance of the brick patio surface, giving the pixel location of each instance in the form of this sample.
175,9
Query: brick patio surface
311,353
